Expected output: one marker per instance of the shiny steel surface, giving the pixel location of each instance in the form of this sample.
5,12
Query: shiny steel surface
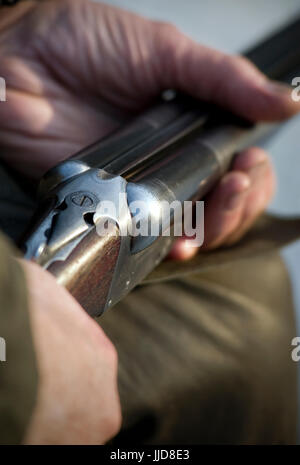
176,150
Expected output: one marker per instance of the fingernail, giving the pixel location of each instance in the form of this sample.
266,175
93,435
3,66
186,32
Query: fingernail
256,158
236,198
276,87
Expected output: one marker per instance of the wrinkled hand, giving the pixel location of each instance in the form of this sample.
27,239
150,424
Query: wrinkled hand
78,399
76,69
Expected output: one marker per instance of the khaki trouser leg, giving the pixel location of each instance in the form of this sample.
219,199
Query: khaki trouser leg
206,359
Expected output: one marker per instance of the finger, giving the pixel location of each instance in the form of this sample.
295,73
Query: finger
253,163
230,81
223,210
134,59
182,250
234,204
262,188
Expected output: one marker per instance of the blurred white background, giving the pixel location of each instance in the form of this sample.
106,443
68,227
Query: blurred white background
232,26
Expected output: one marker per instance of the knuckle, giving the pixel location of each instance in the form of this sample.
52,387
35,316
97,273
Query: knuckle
113,354
107,349
239,62
115,421
166,30
169,41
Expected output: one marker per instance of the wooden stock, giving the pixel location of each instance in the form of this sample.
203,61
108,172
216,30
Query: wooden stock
88,271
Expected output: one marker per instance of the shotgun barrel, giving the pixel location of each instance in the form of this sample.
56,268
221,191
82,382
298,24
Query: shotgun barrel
173,152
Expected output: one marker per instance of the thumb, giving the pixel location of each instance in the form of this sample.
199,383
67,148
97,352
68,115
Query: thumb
232,82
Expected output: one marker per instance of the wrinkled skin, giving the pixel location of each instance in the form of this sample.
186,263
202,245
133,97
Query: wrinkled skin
76,70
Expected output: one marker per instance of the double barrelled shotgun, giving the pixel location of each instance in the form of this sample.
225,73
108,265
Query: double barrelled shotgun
177,150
